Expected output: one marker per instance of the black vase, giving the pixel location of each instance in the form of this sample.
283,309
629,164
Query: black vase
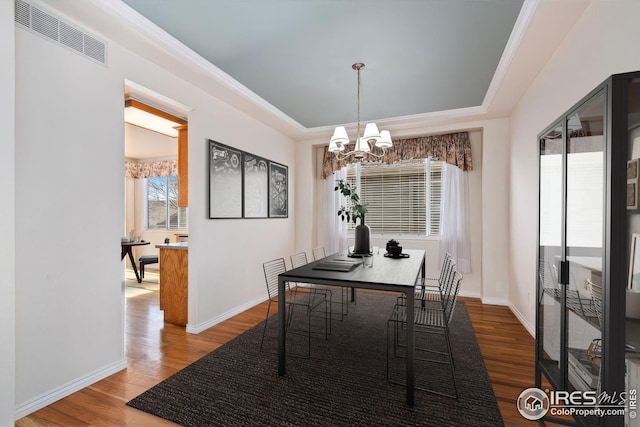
362,233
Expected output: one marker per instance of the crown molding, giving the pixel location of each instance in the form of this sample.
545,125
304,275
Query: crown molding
400,123
175,48
527,12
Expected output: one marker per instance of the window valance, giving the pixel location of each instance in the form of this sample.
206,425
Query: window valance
454,148
155,169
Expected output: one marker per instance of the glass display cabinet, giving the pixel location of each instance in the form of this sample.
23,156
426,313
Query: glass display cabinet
588,285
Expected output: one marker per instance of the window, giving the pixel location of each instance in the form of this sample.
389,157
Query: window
163,212
402,198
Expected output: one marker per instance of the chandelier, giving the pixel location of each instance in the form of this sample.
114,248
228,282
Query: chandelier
364,143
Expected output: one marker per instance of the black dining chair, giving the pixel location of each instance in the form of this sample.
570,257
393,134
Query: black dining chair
428,319
432,289
300,259
310,302
319,253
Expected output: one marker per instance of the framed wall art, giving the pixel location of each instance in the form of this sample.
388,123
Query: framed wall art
256,186
225,181
278,190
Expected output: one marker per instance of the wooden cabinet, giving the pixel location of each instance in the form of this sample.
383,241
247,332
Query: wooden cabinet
174,283
183,166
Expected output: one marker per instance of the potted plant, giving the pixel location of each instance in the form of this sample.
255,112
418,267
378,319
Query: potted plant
356,211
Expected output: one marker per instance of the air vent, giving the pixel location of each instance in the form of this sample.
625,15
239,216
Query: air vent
43,23
94,48
46,24
23,16
71,37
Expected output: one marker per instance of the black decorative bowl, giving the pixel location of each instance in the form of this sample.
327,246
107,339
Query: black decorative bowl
395,250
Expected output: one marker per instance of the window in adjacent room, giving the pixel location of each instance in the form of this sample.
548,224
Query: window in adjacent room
163,212
402,198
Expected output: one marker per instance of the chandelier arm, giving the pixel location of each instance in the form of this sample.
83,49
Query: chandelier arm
342,156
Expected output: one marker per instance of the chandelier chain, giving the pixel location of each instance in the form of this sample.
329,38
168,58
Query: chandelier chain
358,117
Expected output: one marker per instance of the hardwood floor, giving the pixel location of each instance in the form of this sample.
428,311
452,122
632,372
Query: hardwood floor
509,354
156,350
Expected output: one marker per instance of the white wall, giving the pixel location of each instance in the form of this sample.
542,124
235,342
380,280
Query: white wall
488,222
70,177
69,214
7,214
226,256
603,42
495,212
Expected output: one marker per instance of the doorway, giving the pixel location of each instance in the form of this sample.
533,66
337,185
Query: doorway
154,130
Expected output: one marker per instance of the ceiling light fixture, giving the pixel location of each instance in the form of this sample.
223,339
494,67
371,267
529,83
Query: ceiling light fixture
151,118
372,136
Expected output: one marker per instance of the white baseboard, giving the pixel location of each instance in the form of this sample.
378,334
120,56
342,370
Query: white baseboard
196,329
528,326
488,301
65,390
469,294
495,301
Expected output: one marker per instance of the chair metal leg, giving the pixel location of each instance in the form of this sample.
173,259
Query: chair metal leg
327,312
344,302
266,321
309,332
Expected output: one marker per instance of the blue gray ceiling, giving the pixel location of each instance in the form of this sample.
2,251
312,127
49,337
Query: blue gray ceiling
420,56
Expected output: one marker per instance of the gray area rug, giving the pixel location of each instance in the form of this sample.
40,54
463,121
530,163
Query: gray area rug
343,384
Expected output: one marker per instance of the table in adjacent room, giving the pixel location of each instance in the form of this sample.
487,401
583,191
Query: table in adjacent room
127,249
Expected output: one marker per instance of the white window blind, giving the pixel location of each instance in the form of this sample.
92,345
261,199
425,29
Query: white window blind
402,198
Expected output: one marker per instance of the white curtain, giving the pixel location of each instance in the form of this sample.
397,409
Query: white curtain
334,230
454,218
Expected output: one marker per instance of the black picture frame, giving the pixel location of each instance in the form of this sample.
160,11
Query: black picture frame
255,193
225,181
278,190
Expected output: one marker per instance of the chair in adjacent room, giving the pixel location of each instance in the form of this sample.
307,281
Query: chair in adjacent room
310,302
145,260
428,319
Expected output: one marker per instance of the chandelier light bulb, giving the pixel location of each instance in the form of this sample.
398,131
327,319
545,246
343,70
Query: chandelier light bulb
385,140
371,133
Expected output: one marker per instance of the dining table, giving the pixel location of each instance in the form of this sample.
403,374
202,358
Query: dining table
127,249
340,269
